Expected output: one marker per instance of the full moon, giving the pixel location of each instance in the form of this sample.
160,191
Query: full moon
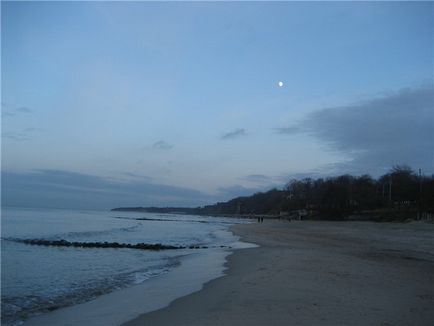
280,84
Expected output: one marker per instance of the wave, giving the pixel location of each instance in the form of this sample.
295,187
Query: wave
16,309
81,234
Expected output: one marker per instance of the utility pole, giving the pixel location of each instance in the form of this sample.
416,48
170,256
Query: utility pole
419,204
420,184
390,190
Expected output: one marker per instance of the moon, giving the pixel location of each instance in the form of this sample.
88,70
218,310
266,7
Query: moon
280,84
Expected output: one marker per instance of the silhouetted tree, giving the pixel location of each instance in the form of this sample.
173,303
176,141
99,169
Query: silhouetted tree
338,197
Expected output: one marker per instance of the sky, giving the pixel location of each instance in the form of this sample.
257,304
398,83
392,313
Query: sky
110,104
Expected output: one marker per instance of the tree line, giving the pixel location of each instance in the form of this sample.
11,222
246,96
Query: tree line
399,193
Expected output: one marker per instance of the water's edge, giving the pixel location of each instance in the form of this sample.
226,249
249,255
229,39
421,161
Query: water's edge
120,306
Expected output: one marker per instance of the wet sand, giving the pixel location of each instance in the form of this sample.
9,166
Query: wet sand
317,273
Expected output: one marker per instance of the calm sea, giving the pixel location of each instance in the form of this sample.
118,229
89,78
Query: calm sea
38,279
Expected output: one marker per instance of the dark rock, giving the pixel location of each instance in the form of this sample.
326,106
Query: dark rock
105,244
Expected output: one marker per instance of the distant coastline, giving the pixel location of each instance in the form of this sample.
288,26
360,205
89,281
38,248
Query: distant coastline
189,211
399,195
163,210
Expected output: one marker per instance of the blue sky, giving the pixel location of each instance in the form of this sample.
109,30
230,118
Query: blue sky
185,97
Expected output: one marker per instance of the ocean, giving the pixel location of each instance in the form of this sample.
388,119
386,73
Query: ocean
39,279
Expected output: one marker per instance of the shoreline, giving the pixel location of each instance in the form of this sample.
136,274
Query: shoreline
316,273
119,306
114,308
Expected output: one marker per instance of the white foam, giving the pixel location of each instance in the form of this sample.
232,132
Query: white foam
123,305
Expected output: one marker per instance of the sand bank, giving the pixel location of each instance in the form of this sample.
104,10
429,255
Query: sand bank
317,273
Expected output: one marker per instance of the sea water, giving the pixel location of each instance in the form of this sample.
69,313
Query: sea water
39,279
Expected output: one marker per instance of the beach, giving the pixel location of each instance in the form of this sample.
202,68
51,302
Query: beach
317,273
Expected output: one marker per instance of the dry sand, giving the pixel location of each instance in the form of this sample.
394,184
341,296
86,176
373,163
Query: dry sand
317,273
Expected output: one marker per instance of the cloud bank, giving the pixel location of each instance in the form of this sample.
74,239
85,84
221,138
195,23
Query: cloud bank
63,189
377,134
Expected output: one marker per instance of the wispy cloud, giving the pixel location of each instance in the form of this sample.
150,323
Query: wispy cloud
25,134
17,136
7,114
162,145
265,182
227,193
33,129
7,111
378,133
23,109
258,178
234,134
289,130
138,176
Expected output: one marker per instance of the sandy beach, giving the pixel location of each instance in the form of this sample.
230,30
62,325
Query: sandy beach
317,273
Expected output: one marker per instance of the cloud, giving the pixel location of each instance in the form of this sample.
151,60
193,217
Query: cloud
259,178
138,176
262,182
23,109
25,134
162,145
227,193
17,136
289,130
32,129
234,134
7,114
13,112
65,189
396,128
